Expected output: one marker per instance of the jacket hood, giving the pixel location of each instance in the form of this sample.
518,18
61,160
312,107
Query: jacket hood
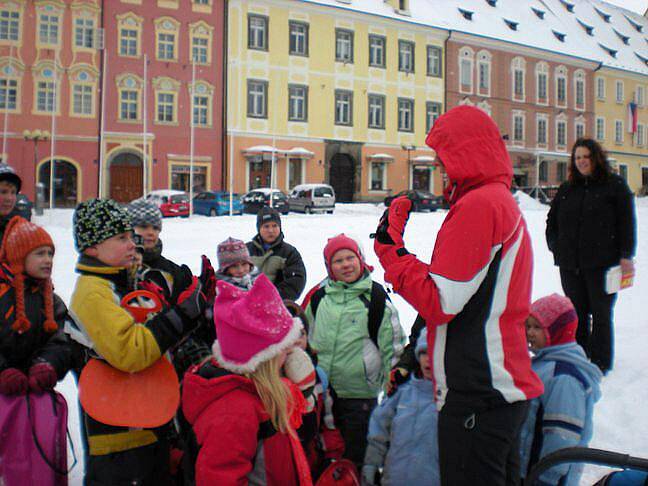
574,354
198,392
470,147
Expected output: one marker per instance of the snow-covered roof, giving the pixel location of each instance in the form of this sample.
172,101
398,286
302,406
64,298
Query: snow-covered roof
300,152
381,156
423,158
260,149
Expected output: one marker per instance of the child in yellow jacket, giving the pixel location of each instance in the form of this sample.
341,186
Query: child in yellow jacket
108,332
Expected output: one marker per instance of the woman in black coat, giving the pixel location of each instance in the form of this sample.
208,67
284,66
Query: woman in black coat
591,227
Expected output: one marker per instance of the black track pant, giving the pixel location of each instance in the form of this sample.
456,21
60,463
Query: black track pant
481,447
586,290
352,418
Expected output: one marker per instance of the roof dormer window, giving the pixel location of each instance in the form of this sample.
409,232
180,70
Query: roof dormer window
588,28
643,59
604,16
511,24
492,3
624,38
559,35
638,27
538,12
467,14
568,5
609,50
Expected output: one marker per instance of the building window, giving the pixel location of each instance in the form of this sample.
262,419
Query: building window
406,56
640,134
405,115
128,104
432,112
561,133
295,172
48,29
181,177
257,99
128,42
561,88
600,88
434,61
376,51
518,67
297,103
376,111
82,99
580,130
84,33
623,171
8,94
166,107
580,89
45,96
542,171
166,46
377,176
640,95
600,128
258,32
343,45
541,129
9,25
542,76
618,131
199,50
518,128
201,110
561,171
298,42
466,70
343,107
619,91
484,76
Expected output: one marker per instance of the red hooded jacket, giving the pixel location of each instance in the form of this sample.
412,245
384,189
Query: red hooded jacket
475,293
226,414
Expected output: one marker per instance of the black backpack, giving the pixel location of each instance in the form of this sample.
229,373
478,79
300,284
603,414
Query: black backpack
376,307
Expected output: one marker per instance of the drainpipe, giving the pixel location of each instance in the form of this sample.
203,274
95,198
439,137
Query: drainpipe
224,91
101,109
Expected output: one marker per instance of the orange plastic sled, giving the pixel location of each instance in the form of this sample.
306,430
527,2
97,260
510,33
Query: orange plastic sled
147,399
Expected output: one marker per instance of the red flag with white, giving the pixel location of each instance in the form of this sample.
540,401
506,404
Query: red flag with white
632,117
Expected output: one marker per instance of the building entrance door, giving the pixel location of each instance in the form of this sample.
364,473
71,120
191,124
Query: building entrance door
126,177
342,177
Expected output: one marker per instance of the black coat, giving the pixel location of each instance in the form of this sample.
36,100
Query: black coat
282,264
23,350
591,224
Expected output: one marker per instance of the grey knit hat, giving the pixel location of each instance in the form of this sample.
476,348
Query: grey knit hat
8,174
144,213
96,220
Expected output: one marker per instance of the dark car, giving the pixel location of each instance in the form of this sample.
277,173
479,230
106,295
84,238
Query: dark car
254,200
421,200
24,207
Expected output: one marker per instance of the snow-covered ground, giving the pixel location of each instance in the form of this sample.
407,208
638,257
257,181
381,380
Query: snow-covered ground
621,422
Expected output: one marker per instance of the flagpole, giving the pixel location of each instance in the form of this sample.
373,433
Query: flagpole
53,133
191,138
6,111
102,145
144,128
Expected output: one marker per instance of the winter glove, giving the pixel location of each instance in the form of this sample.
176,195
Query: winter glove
369,473
397,377
13,382
154,289
191,302
208,279
388,243
300,370
42,377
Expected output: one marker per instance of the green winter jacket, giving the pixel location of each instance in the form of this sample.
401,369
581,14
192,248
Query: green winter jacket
339,335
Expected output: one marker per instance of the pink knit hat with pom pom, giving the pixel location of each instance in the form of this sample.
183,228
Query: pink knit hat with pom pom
251,326
557,316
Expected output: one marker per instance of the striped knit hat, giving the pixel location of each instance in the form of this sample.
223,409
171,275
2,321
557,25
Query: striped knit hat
557,316
230,252
20,239
96,220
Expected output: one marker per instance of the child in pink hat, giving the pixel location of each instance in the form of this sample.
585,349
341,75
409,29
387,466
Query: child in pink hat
562,416
237,402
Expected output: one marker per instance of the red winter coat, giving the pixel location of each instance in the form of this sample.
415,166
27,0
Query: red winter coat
226,414
475,293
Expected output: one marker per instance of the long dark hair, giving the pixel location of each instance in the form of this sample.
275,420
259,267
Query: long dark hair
601,166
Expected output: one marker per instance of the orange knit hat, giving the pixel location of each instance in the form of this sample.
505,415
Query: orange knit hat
20,239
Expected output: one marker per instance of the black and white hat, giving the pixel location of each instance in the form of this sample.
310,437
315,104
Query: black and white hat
144,213
8,174
96,220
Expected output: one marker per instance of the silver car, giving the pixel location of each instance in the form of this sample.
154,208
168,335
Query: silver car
311,198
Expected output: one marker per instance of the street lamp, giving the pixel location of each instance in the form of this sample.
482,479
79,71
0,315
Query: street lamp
37,136
409,148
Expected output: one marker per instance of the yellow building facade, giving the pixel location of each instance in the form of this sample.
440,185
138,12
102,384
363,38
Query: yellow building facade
614,89
322,93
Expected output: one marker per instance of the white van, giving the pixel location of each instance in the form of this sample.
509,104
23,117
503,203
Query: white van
311,198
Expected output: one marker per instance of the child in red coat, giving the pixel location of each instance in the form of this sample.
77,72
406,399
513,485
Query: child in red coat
243,414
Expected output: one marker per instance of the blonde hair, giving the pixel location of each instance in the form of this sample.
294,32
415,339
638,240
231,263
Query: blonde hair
274,393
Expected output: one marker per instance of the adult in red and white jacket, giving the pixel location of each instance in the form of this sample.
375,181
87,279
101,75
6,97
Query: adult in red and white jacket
474,296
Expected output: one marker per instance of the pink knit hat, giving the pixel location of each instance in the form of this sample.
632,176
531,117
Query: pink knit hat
252,326
557,316
230,252
343,242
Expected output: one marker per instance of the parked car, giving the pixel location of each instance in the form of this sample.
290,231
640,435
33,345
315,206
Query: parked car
311,198
254,200
170,202
216,203
421,200
24,207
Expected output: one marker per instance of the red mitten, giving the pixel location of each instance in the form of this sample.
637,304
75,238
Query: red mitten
332,443
42,377
13,382
154,289
208,279
388,243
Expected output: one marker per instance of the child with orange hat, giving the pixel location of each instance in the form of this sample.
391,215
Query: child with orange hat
34,351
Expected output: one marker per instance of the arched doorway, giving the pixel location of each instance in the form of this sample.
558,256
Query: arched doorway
126,177
65,183
342,177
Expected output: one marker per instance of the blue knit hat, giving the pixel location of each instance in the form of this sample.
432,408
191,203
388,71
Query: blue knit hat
421,343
